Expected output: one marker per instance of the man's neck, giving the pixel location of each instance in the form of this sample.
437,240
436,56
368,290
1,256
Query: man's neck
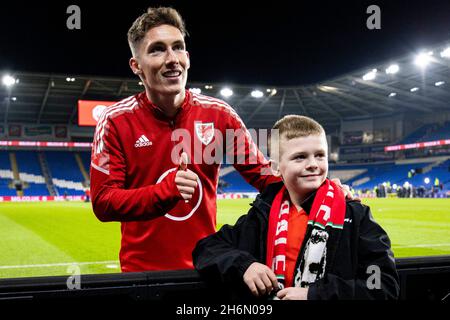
169,104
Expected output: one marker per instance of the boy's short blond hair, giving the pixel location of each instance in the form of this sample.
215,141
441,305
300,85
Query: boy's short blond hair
294,126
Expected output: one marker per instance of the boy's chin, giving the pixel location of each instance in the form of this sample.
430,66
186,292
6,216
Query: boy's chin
310,186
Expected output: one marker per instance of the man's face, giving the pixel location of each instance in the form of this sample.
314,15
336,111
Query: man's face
162,60
303,163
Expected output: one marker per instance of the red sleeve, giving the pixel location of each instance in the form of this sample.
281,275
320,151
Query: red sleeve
248,159
110,200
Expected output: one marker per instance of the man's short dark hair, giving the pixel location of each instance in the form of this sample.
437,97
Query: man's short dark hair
152,18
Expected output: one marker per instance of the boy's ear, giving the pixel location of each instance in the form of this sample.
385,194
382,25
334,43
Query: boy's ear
275,168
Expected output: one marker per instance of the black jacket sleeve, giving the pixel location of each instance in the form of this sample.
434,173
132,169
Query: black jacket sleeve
218,257
375,275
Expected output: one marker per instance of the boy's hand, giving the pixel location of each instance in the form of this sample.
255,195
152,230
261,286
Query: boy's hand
293,293
260,279
346,189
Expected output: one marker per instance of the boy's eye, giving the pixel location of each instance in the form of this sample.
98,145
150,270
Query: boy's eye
320,155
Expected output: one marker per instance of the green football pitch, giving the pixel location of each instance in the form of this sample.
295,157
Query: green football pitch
44,239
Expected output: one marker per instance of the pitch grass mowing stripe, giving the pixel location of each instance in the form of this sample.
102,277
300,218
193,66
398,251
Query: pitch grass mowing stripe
109,264
20,245
69,227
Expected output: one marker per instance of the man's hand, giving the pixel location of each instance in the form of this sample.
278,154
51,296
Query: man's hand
185,179
260,279
346,189
293,293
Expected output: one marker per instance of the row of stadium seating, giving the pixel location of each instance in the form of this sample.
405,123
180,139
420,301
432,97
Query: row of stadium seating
365,176
428,132
68,179
63,169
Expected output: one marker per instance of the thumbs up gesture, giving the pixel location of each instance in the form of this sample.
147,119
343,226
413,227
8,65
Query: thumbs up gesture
185,179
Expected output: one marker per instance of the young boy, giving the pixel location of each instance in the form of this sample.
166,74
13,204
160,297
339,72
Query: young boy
301,240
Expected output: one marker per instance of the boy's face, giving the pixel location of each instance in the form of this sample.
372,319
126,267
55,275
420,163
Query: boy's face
303,164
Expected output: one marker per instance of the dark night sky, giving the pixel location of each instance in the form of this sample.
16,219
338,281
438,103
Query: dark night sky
286,43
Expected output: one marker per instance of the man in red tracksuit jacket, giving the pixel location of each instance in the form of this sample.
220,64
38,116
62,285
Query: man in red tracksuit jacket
139,177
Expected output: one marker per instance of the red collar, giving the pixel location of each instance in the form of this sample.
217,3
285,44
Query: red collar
157,111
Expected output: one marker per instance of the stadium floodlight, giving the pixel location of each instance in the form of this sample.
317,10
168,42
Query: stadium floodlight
257,94
9,81
370,75
14,99
426,180
414,89
392,94
70,79
423,59
392,69
140,83
273,92
195,90
327,88
445,53
208,87
226,92
439,83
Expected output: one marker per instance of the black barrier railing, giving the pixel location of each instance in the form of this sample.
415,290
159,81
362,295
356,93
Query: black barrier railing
421,278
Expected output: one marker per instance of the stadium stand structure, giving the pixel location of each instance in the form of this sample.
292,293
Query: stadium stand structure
365,176
66,174
31,173
234,182
396,173
428,132
86,159
6,175
48,173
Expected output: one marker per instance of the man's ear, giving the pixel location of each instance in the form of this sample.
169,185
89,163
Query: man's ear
134,65
188,60
275,168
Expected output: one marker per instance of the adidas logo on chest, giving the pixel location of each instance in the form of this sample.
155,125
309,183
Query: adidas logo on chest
142,142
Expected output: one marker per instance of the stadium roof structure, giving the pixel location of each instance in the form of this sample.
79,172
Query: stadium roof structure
52,98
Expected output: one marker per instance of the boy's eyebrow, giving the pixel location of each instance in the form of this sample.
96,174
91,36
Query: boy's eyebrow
306,152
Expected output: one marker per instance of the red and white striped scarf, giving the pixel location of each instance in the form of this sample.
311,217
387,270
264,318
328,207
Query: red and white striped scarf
327,211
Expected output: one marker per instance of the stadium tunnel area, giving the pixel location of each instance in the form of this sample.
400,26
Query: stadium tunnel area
421,278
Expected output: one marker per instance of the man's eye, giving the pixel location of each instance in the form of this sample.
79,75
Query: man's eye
179,48
156,50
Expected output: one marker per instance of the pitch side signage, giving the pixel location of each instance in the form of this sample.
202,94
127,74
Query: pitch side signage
89,111
417,145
